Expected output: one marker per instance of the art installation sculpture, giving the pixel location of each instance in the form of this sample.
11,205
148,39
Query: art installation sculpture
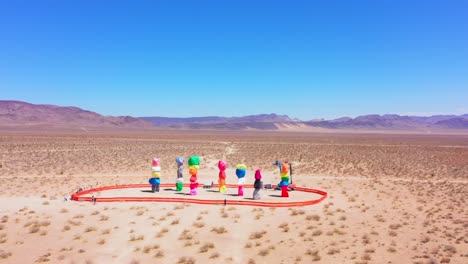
258,185
285,185
284,179
180,174
155,176
241,170
194,163
222,176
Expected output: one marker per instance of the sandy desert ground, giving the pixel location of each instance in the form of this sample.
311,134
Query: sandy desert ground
391,199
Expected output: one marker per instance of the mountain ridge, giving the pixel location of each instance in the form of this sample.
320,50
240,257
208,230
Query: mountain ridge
168,121
17,113
23,114
395,122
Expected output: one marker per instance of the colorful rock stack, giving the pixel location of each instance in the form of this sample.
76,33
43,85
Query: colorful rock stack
258,185
222,176
241,170
180,174
156,173
284,179
194,165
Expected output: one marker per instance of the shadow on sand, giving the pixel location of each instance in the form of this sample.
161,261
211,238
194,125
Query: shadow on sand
147,191
275,195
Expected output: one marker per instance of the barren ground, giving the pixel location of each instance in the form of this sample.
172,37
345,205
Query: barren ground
392,199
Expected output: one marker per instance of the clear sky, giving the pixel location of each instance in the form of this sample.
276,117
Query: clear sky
307,59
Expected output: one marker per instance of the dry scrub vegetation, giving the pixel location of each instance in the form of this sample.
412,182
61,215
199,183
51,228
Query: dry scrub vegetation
428,157
395,199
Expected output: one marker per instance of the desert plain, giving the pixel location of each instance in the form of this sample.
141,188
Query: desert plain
392,198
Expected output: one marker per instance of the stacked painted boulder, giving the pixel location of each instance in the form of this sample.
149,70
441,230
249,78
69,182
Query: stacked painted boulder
180,174
155,175
241,170
194,165
258,185
284,179
222,176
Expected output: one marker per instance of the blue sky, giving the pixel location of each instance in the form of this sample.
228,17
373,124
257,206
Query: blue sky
307,59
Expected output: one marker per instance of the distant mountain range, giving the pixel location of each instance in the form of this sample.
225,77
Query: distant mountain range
21,114
395,122
274,122
15,114
260,122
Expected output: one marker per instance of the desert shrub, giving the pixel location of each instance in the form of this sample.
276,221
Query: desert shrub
313,218
206,247
366,257
333,251
285,227
198,224
365,239
148,249
219,230
425,239
34,229
162,232
450,249
295,212
257,235
178,207
74,223
90,229
159,254
264,252
44,258
186,235
317,233
136,238
186,260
